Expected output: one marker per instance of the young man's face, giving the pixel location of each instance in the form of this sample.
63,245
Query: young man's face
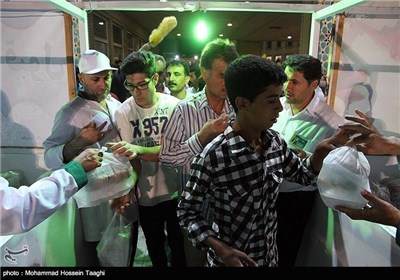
144,97
97,85
214,79
176,78
264,110
297,90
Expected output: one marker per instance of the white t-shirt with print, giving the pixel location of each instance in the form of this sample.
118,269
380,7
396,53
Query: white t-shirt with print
144,127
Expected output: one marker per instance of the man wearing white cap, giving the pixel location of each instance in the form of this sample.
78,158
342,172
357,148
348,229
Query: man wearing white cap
86,121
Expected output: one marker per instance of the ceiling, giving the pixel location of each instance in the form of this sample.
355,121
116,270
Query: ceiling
257,20
246,25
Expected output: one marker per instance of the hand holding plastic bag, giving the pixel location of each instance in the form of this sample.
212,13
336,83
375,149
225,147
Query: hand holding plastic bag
114,178
114,248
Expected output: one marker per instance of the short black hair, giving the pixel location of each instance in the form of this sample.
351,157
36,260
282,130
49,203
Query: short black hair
139,62
183,63
310,66
196,69
249,75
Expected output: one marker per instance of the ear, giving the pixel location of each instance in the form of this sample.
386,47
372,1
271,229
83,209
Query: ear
155,78
80,77
204,74
187,79
241,103
314,84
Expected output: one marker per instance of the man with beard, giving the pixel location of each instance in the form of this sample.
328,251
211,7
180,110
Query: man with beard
87,121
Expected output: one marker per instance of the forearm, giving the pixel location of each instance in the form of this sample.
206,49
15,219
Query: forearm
205,137
24,208
72,149
219,247
317,158
392,145
149,153
78,172
180,153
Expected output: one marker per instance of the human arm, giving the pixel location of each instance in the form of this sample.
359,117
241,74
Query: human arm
132,151
25,207
380,212
181,140
88,135
369,140
66,127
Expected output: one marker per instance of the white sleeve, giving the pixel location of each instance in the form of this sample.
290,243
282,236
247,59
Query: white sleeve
24,208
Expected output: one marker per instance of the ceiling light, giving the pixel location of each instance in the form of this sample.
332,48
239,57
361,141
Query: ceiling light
101,23
201,30
179,34
221,35
289,37
229,24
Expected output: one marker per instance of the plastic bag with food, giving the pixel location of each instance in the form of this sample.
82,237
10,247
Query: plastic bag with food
343,174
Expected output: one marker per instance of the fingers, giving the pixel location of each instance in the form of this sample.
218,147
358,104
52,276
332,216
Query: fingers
369,196
103,134
355,128
361,114
357,120
110,144
100,128
132,156
119,205
90,159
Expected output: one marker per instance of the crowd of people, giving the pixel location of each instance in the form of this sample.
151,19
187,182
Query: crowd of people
225,157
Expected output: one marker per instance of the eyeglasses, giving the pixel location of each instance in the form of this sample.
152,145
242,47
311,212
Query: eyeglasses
140,86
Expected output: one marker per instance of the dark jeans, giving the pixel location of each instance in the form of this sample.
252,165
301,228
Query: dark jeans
134,239
293,209
153,220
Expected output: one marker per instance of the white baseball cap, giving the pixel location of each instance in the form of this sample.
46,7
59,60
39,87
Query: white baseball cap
93,61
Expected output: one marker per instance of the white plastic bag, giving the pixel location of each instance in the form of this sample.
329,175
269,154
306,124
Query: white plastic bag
343,174
114,248
111,180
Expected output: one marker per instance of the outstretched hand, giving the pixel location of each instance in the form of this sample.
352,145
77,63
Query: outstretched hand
379,211
367,138
124,149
